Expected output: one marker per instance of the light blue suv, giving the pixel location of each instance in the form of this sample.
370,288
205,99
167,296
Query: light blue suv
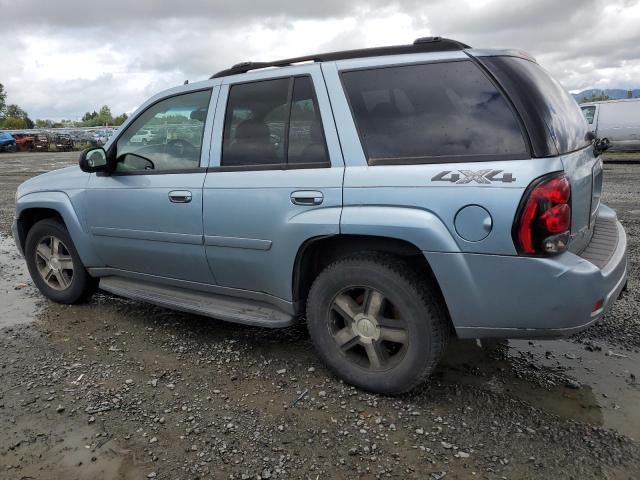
395,196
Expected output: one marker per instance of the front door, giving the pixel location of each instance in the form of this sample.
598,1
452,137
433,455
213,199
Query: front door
146,216
275,178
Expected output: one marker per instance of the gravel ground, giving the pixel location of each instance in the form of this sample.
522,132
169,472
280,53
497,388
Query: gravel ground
622,193
120,389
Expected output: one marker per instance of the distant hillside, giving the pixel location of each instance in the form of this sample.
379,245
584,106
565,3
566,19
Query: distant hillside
611,93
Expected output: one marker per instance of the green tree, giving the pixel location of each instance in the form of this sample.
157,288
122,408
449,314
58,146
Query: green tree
120,119
43,123
97,119
89,116
13,123
105,116
16,112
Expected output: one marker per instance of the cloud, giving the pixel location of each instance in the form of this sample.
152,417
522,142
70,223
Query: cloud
63,58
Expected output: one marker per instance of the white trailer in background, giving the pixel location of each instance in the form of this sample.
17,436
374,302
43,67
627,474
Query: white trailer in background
615,120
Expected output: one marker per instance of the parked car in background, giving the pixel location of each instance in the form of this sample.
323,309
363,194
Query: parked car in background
84,137
143,137
41,142
24,141
64,142
393,196
616,122
102,136
7,142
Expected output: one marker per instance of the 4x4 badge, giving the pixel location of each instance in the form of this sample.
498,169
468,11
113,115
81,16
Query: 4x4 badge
479,176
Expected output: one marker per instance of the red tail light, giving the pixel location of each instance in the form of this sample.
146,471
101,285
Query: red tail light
543,224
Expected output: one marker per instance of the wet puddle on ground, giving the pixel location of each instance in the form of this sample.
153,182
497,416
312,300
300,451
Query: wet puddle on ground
19,300
600,386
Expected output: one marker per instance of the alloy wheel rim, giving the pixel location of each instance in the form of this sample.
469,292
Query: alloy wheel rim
54,263
368,329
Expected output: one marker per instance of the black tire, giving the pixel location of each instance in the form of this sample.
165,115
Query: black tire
412,299
81,284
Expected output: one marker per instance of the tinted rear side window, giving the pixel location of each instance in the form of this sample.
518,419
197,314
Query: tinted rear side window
274,123
432,113
306,137
552,116
255,123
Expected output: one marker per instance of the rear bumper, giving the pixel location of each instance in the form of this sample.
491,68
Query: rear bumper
523,297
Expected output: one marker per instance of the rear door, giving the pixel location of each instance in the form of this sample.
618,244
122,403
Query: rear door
275,178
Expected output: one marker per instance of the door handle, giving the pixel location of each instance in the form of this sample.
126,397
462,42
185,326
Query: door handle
306,197
180,196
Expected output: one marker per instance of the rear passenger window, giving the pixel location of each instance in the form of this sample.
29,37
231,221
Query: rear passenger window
273,122
431,113
306,138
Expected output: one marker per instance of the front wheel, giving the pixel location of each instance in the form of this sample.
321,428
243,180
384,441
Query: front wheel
376,323
54,263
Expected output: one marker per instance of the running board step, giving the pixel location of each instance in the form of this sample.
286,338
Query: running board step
236,310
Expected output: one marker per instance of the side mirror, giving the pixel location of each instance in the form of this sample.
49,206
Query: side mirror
600,145
590,136
93,160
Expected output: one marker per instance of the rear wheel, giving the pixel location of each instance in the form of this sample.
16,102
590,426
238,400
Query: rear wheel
54,263
376,323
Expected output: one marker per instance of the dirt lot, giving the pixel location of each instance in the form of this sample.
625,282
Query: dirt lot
119,389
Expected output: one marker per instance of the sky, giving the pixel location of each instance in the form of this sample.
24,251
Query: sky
62,58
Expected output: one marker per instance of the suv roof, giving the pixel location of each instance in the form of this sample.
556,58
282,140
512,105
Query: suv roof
420,45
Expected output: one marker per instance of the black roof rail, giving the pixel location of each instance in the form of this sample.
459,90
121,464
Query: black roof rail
420,45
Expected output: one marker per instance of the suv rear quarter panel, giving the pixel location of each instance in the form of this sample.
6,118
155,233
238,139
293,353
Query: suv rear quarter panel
412,203
412,187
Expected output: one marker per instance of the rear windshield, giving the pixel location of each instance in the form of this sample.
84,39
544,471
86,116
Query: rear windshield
551,114
434,112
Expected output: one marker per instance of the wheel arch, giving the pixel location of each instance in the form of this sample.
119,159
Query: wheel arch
317,253
29,217
34,207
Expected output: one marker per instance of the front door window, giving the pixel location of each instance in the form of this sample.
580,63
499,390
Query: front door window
166,137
